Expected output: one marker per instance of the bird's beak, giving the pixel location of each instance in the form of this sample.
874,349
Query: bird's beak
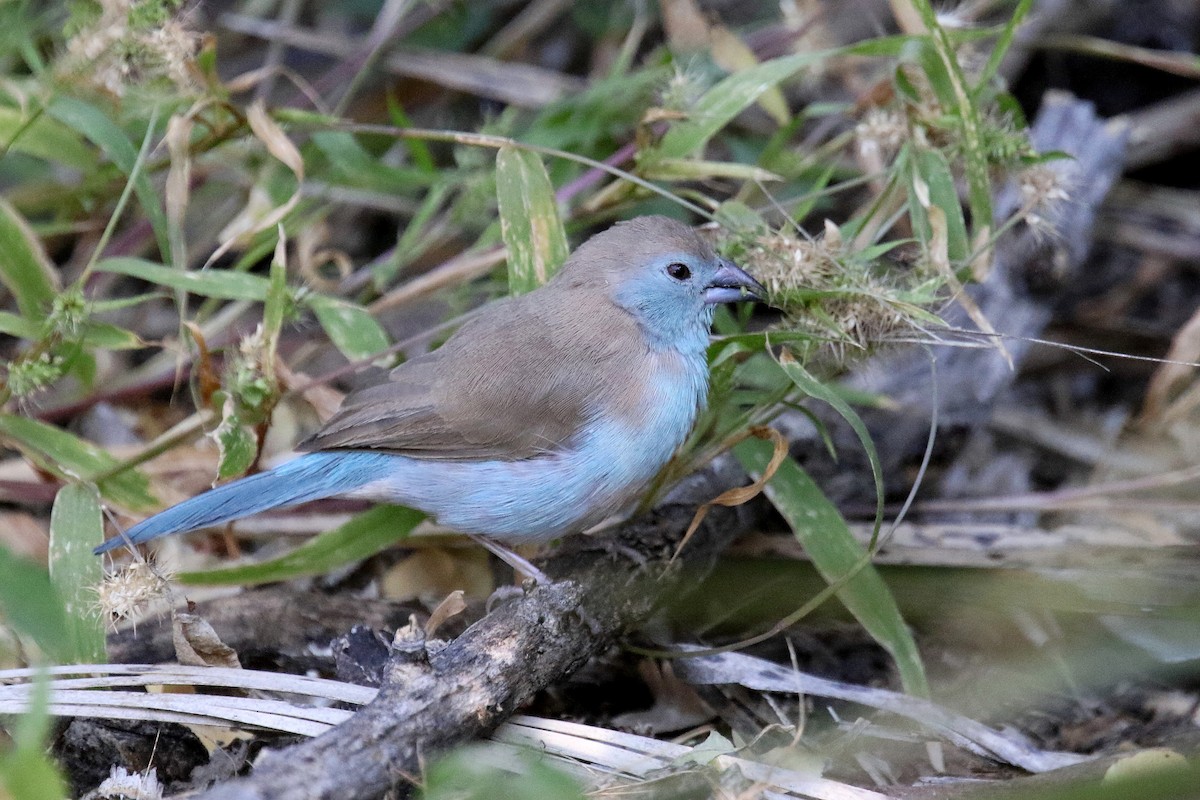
731,284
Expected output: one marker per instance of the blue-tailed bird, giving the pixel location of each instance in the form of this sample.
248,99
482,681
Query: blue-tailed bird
541,416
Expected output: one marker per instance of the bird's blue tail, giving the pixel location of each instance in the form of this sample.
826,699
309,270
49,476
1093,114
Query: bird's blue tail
310,477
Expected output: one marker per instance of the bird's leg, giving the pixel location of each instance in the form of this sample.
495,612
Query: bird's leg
521,565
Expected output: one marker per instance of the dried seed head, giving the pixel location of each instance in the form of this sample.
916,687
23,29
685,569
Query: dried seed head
129,592
823,289
1043,189
881,133
129,43
783,263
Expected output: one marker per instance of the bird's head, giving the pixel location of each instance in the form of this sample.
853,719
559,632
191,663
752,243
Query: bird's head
664,274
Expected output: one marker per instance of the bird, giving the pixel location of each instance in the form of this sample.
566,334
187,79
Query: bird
541,416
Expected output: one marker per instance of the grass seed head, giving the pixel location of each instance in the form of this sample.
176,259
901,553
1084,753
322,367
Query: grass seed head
131,591
120,44
1043,189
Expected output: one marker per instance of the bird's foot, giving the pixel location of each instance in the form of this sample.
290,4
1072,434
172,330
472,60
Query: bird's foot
519,564
502,595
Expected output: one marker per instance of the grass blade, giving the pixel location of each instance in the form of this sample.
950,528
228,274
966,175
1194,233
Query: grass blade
31,606
76,526
221,284
840,559
931,167
363,536
529,221
808,384
730,97
70,457
94,125
43,137
26,771
351,328
734,94
1003,43
979,185
24,266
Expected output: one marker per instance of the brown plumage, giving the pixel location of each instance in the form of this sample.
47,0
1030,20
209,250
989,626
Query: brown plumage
528,371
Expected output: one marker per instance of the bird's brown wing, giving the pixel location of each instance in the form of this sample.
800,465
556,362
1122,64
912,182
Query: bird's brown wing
519,380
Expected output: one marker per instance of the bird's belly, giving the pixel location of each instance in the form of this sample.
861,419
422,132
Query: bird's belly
541,498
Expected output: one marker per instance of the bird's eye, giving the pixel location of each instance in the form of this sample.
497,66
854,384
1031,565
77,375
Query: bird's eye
679,272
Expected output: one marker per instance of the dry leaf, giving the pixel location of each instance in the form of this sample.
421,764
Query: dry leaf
277,142
453,605
741,494
1167,397
259,215
179,175
198,645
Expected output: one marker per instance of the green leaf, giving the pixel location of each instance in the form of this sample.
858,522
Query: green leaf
44,137
24,267
275,306
81,364
839,558
904,85
692,169
415,240
30,604
351,328
110,337
931,167
120,303
221,284
1001,47
70,457
489,770
816,192
737,216
529,221
734,94
96,334
959,97
353,166
808,384
76,526
26,772
418,150
363,536
730,97
20,327
95,125
936,72
236,444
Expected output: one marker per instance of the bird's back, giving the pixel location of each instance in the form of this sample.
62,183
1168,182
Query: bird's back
520,379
